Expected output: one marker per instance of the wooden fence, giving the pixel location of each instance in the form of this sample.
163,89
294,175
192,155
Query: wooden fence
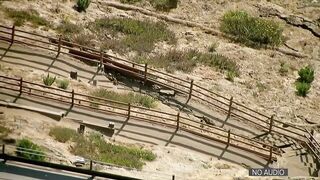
172,120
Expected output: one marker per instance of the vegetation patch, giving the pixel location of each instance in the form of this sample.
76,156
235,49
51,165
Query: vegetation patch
22,16
96,148
251,31
186,61
48,80
82,5
135,35
306,77
133,98
4,131
164,5
63,134
29,150
63,84
67,29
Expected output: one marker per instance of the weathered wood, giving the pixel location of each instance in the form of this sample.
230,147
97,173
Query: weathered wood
178,120
21,81
271,123
230,107
12,34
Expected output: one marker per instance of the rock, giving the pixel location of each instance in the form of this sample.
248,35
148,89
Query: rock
165,92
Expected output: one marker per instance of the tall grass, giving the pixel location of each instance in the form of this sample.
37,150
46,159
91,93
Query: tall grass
95,147
135,35
187,60
63,134
251,31
20,17
133,98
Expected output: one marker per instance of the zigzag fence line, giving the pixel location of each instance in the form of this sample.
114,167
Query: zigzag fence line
172,120
152,76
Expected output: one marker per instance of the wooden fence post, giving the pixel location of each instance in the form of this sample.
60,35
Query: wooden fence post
190,91
271,123
21,81
228,138
230,107
90,165
72,98
13,33
271,152
129,109
59,47
178,121
101,59
145,73
173,177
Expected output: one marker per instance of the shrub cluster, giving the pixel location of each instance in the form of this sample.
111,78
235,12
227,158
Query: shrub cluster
306,77
82,5
63,84
29,150
251,31
62,134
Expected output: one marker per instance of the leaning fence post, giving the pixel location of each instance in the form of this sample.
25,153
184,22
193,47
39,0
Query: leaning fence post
21,81
230,107
190,91
72,97
271,152
229,133
13,33
271,123
129,109
59,47
178,120
145,73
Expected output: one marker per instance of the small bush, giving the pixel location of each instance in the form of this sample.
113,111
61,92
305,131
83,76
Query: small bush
306,74
164,5
251,31
63,134
29,150
4,131
21,16
302,88
212,47
231,75
82,5
138,99
48,80
63,84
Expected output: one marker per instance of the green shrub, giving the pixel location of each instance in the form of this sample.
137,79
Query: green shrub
306,74
21,16
63,134
48,80
212,47
29,150
251,31
4,131
82,5
164,5
96,148
63,84
302,88
231,75
138,99
139,36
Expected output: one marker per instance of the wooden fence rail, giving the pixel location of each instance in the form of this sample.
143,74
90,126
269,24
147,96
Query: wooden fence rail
174,120
153,76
